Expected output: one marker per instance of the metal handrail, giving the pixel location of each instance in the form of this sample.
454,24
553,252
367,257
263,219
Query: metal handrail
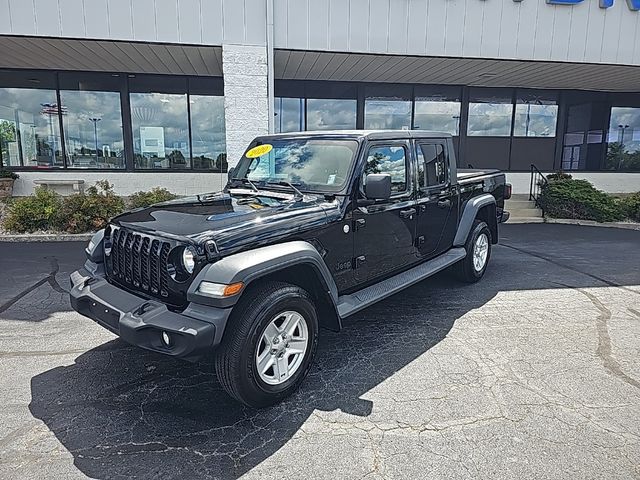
537,183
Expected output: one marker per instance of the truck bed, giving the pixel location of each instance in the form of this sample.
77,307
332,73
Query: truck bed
466,175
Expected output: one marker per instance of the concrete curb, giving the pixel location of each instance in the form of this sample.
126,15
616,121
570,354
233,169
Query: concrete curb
592,223
47,237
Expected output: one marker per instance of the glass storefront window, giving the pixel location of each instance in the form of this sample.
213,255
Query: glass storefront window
30,128
536,114
381,113
160,126
490,112
93,129
623,147
208,132
331,114
437,115
489,119
289,115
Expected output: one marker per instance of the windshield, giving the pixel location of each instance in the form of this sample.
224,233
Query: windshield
316,165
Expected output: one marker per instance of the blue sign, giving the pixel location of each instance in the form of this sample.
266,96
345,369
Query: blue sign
632,4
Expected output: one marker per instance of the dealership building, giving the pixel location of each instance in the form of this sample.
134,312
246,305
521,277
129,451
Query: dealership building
169,93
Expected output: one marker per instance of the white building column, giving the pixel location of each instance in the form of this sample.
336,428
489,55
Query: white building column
246,99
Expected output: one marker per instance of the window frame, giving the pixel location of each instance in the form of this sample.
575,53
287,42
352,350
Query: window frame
408,161
445,152
64,80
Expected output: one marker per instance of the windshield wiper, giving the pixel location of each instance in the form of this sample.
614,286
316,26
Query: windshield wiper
285,183
246,180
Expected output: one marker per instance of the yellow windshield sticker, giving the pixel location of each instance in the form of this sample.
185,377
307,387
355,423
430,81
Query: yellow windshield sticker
259,151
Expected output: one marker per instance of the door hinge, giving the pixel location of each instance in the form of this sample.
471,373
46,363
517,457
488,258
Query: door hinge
359,223
358,261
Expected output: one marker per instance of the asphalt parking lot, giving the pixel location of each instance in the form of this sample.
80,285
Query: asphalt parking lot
532,373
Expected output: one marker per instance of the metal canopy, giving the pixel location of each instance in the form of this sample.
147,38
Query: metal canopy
109,56
308,65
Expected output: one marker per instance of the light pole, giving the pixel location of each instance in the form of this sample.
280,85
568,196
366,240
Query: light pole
95,121
622,129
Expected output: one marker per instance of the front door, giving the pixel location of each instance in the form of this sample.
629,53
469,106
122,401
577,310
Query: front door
436,203
384,237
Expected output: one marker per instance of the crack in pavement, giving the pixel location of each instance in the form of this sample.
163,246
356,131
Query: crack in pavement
50,279
604,341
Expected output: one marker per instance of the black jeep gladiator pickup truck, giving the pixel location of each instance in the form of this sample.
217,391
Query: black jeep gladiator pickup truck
310,228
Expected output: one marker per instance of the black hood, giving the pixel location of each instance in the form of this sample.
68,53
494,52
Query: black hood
230,218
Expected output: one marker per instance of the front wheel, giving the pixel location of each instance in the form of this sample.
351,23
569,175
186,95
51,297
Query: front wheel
478,247
269,344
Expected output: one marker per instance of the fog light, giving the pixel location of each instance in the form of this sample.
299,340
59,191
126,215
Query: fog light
166,339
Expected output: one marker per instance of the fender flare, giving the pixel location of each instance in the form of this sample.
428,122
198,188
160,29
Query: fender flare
471,209
251,265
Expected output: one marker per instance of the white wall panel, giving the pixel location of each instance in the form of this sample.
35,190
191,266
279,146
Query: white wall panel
359,25
298,24
436,17
416,31
319,23
72,22
47,17
167,20
398,26
212,24
379,22
120,19
338,27
189,26
23,18
144,29
96,18
454,12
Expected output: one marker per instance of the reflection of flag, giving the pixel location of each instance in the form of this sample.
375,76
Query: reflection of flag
144,113
52,109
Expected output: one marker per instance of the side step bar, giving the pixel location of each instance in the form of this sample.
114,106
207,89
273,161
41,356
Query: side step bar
350,304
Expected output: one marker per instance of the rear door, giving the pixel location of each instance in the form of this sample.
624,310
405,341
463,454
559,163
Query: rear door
385,231
436,198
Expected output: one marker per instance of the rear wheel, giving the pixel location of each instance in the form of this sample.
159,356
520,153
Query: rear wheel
269,344
478,247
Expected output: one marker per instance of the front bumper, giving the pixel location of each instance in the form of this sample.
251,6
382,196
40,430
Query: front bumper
192,333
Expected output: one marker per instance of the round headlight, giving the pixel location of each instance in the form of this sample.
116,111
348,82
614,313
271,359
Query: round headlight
188,259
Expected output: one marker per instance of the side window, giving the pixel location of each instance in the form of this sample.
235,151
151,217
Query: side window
432,165
391,160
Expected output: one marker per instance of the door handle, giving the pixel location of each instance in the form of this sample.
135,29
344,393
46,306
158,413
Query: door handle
407,213
444,203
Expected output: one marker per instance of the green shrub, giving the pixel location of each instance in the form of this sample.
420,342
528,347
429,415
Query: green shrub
9,174
579,199
156,195
631,206
558,176
89,211
40,211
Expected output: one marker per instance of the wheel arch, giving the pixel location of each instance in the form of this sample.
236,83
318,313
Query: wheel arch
296,262
482,207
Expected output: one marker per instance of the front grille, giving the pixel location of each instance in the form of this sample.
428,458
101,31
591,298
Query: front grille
138,262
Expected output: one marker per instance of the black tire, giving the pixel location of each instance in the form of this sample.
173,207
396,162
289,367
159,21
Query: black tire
466,270
235,358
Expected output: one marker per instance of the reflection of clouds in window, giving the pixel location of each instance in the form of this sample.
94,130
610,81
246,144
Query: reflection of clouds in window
489,119
380,114
33,114
323,114
93,129
534,120
389,160
624,127
160,130
289,115
437,116
207,131
310,163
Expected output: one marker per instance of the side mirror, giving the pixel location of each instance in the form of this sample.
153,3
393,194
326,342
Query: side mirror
378,186
231,173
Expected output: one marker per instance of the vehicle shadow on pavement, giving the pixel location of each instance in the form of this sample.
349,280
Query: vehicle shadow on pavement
122,411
